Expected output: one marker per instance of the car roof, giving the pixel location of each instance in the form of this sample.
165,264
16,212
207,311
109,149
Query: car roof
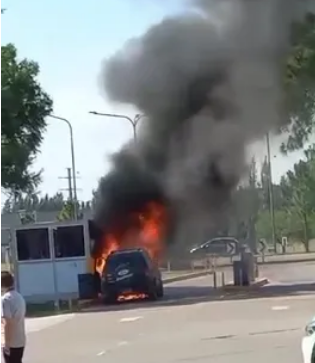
223,238
217,239
127,250
114,256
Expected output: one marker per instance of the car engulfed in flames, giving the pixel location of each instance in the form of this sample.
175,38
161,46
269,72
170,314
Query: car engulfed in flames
144,229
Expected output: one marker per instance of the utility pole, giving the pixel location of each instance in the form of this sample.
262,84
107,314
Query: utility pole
70,190
72,161
271,196
70,184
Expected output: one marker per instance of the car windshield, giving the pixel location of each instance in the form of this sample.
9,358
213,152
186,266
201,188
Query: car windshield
131,260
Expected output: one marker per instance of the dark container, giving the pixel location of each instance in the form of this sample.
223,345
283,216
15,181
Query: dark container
241,273
87,286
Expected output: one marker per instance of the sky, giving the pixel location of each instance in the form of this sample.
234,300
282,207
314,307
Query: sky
70,40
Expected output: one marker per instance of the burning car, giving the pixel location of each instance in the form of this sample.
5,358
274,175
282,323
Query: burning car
127,254
130,274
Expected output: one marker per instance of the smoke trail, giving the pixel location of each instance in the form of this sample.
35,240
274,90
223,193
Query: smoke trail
207,90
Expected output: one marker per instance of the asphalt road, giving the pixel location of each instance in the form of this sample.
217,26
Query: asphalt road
291,273
300,272
192,324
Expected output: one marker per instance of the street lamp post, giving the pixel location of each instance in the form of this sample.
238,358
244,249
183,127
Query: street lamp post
133,122
72,162
271,196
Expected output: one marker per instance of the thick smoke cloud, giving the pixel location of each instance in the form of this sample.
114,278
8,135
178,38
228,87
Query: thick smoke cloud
207,90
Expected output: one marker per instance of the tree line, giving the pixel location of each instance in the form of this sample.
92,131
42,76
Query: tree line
28,205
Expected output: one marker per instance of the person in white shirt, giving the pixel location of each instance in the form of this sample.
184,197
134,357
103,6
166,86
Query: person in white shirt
12,320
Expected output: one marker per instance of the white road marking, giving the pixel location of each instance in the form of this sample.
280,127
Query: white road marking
130,319
279,308
116,346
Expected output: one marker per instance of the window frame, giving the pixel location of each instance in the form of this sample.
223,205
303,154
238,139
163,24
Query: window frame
38,260
68,258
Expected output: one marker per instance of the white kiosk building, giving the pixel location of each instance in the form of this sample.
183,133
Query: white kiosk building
48,258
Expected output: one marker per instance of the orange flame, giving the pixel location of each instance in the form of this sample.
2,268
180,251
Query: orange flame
149,235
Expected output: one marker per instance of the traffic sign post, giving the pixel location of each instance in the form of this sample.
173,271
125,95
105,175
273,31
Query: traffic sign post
215,282
213,263
284,244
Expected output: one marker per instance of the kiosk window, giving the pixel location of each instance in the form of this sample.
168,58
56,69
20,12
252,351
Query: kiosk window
32,244
69,242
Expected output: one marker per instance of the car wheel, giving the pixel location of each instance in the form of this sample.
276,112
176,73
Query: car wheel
160,291
153,293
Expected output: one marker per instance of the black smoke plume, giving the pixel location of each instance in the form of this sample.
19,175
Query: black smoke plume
207,89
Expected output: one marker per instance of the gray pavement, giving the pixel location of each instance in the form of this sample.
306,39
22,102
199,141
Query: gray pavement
299,272
192,324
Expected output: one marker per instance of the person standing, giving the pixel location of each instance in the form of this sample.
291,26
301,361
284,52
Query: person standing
12,320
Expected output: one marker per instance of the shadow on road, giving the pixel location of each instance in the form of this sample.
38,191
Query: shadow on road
189,295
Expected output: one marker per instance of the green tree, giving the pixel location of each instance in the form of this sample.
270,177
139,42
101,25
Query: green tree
68,211
298,188
264,226
287,222
24,106
51,204
300,84
27,204
264,182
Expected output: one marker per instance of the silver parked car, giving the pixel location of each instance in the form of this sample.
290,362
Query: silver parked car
218,245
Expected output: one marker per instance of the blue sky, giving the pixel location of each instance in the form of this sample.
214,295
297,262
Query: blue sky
69,40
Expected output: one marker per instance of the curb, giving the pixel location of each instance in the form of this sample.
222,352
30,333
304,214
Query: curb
188,276
286,261
256,285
